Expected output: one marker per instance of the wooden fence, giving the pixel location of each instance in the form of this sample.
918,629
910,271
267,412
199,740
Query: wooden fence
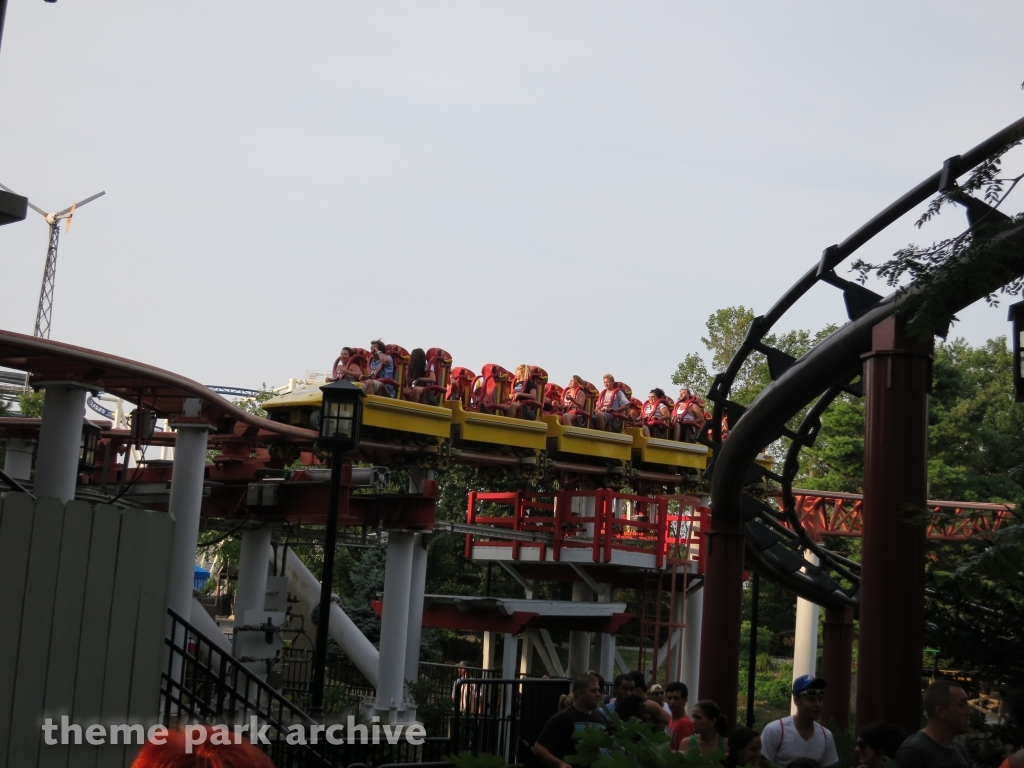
83,601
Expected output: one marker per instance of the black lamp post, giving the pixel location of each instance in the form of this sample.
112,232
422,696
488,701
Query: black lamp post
1016,316
340,418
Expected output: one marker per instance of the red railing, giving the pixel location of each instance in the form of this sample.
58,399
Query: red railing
601,521
669,527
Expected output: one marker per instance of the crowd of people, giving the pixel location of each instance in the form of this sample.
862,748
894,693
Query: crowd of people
524,393
797,741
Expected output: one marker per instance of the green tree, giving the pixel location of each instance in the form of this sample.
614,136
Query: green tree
31,404
254,403
976,588
366,582
726,330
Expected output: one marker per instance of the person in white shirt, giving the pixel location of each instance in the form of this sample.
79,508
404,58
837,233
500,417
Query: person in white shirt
801,735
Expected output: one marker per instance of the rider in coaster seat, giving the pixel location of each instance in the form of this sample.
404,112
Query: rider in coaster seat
657,414
427,375
379,379
553,400
526,388
350,364
631,415
636,412
460,386
578,398
687,416
612,405
439,363
491,395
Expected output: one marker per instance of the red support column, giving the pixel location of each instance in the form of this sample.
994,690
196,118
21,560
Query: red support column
837,666
897,378
720,619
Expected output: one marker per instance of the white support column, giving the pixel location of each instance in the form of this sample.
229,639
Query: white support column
579,642
303,584
394,626
60,442
552,666
526,656
415,623
488,654
187,475
509,657
552,652
605,647
18,462
417,587
252,573
676,637
805,646
604,642
691,640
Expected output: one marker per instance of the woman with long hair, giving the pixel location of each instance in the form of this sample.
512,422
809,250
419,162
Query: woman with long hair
419,375
574,398
710,727
523,388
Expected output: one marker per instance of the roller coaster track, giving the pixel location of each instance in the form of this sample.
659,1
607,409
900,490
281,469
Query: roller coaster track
225,391
776,542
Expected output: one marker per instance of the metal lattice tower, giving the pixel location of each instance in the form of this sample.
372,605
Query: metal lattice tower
44,311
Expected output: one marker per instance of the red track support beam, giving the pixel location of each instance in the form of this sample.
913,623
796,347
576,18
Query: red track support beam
837,666
720,622
897,378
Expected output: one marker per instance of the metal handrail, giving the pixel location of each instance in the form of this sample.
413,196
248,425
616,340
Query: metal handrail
203,683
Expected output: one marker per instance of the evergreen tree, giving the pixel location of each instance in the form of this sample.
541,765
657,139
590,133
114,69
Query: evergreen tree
367,582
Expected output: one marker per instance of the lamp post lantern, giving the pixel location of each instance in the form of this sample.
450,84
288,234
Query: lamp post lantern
90,441
340,418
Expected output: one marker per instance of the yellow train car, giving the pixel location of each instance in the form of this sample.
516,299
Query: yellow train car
301,407
583,441
475,427
667,453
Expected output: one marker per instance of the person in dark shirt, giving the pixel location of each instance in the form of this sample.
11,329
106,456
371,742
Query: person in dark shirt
949,716
556,740
632,706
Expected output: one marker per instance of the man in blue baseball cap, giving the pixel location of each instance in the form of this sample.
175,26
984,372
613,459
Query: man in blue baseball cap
801,735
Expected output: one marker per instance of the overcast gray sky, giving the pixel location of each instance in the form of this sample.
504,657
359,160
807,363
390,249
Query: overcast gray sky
576,185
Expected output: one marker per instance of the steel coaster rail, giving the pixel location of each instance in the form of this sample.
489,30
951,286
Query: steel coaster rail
819,376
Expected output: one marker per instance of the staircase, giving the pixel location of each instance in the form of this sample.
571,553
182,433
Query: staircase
200,683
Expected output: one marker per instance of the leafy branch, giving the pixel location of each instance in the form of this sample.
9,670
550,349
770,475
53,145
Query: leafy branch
941,272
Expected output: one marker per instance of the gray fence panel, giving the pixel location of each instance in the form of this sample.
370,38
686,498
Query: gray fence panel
92,654
124,614
62,672
16,519
144,697
36,623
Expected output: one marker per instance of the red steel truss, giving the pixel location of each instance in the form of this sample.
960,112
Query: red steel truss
839,514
